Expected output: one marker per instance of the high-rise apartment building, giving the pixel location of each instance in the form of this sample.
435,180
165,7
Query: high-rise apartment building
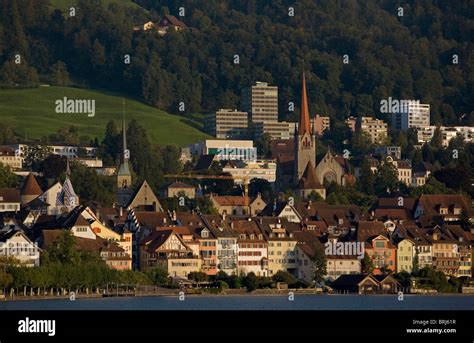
375,128
415,116
261,102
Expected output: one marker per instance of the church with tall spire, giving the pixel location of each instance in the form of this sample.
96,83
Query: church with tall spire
304,140
304,176
124,176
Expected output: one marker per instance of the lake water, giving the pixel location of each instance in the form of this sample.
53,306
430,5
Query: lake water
300,302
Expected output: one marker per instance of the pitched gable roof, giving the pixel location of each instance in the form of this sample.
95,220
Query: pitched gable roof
367,230
309,180
229,200
173,21
431,203
144,196
352,280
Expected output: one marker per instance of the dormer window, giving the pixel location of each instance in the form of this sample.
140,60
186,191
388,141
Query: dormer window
252,236
442,209
260,236
242,236
205,234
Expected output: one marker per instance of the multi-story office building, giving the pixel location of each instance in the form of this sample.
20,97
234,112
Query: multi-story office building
375,128
227,123
415,116
426,134
321,124
276,129
261,102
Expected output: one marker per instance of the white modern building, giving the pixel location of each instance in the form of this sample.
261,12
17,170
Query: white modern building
426,134
61,150
250,170
225,149
416,116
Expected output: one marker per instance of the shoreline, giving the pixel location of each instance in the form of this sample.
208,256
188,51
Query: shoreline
233,294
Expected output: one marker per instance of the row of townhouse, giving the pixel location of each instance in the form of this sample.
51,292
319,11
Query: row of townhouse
287,237
447,249
235,245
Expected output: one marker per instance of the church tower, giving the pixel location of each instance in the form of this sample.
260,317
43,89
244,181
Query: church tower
305,139
124,176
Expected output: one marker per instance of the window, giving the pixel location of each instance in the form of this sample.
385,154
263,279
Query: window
380,244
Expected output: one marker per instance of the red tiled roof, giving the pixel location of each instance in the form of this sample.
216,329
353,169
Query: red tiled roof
9,195
230,200
431,203
7,151
309,180
369,229
30,186
173,21
393,213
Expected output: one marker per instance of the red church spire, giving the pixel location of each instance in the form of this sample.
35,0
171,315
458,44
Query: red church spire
304,123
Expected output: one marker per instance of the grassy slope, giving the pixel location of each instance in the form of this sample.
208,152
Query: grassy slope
33,111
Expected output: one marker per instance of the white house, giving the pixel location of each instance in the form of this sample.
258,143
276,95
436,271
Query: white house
14,243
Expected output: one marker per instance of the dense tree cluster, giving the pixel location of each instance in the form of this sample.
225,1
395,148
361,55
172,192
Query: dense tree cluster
407,57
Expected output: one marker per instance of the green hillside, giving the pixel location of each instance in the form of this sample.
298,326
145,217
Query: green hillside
65,4
33,111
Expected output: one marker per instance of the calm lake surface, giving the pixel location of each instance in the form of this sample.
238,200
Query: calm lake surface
301,302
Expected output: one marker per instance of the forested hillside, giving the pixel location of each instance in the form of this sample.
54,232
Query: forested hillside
407,57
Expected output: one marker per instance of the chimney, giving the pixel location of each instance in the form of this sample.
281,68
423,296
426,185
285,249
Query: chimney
164,220
224,214
120,211
231,225
174,215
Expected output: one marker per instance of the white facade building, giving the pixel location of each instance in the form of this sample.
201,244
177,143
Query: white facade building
425,135
417,116
251,170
